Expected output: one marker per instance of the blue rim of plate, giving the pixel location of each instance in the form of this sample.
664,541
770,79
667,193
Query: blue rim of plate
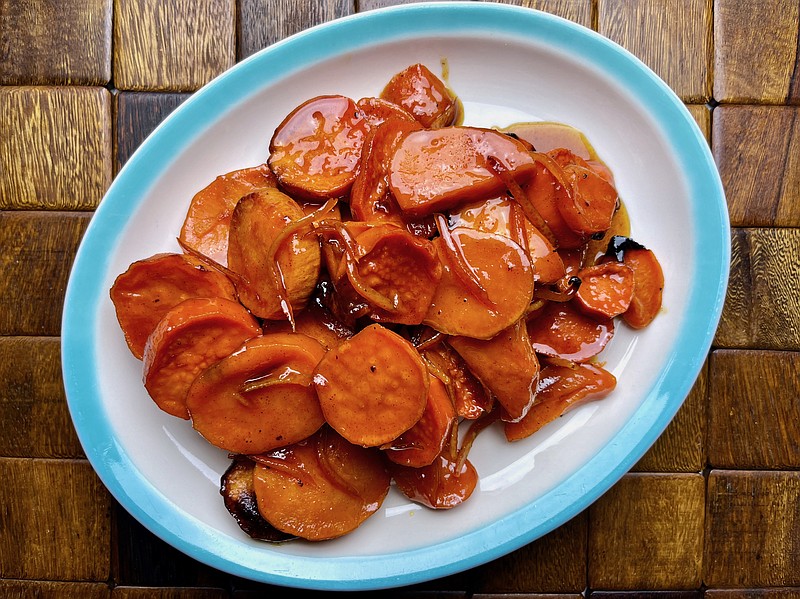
86,290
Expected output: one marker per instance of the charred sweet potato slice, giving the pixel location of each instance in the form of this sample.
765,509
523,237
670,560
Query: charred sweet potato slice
423,95
239,495
193,335
321,488
144,293
314,152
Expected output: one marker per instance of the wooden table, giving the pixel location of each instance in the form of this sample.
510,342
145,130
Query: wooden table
713,508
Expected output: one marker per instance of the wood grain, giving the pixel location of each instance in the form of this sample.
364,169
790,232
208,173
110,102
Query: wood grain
754,397
646,533
757,150
762,308
141,559
774,593
702,115
556,563
757,54
56,153
673,37
261,23
173,45
64,43
34,419
579,11
55,518
38,250
136,115
38,589
752,529
681,448
123,592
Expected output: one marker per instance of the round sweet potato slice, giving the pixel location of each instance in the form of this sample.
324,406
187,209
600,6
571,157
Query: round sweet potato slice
373,387
193,335
150,288
261,397
320,488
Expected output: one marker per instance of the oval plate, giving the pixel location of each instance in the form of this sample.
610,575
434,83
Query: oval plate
507,64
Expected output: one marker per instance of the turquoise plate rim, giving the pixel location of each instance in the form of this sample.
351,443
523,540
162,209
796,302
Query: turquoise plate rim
85,290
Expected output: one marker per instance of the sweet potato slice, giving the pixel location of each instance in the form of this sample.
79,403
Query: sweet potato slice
560,330
316,322
545,193
606,289
272,267
321,488
442,485
435,170
208,219
373,387
261,397
561,388
422,443
400,267
469,396
238,492
314,152
648,287
506,365
144,293
486,284
370,199
193,335
423,95
377,111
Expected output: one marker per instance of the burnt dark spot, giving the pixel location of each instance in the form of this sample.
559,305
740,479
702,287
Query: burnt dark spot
373,368
598,236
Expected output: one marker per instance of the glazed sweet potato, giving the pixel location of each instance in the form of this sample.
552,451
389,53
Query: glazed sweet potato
423,95
150,288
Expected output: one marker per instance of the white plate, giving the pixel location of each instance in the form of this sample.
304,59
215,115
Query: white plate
507,64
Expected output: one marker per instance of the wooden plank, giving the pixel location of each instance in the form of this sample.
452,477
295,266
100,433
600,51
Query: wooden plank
775,593
754,397
64,43
56,523
762,307
673,37
45,589
757,150
136,115
38,249
766,70
702,114
681,448
55,151
579,11
646,594
752,529
34,419
123,592
556,563
173,45
646,533
261,23
139,558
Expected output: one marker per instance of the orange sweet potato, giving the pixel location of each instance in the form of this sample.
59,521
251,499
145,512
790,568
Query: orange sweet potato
314,152
648,285
560,330
506,365
423,95
144,293
434,170
606,289
193,335
442,485
207,222
261,397
561,389
373,387
320,488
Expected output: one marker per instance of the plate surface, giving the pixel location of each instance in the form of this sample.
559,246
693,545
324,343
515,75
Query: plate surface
507,65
